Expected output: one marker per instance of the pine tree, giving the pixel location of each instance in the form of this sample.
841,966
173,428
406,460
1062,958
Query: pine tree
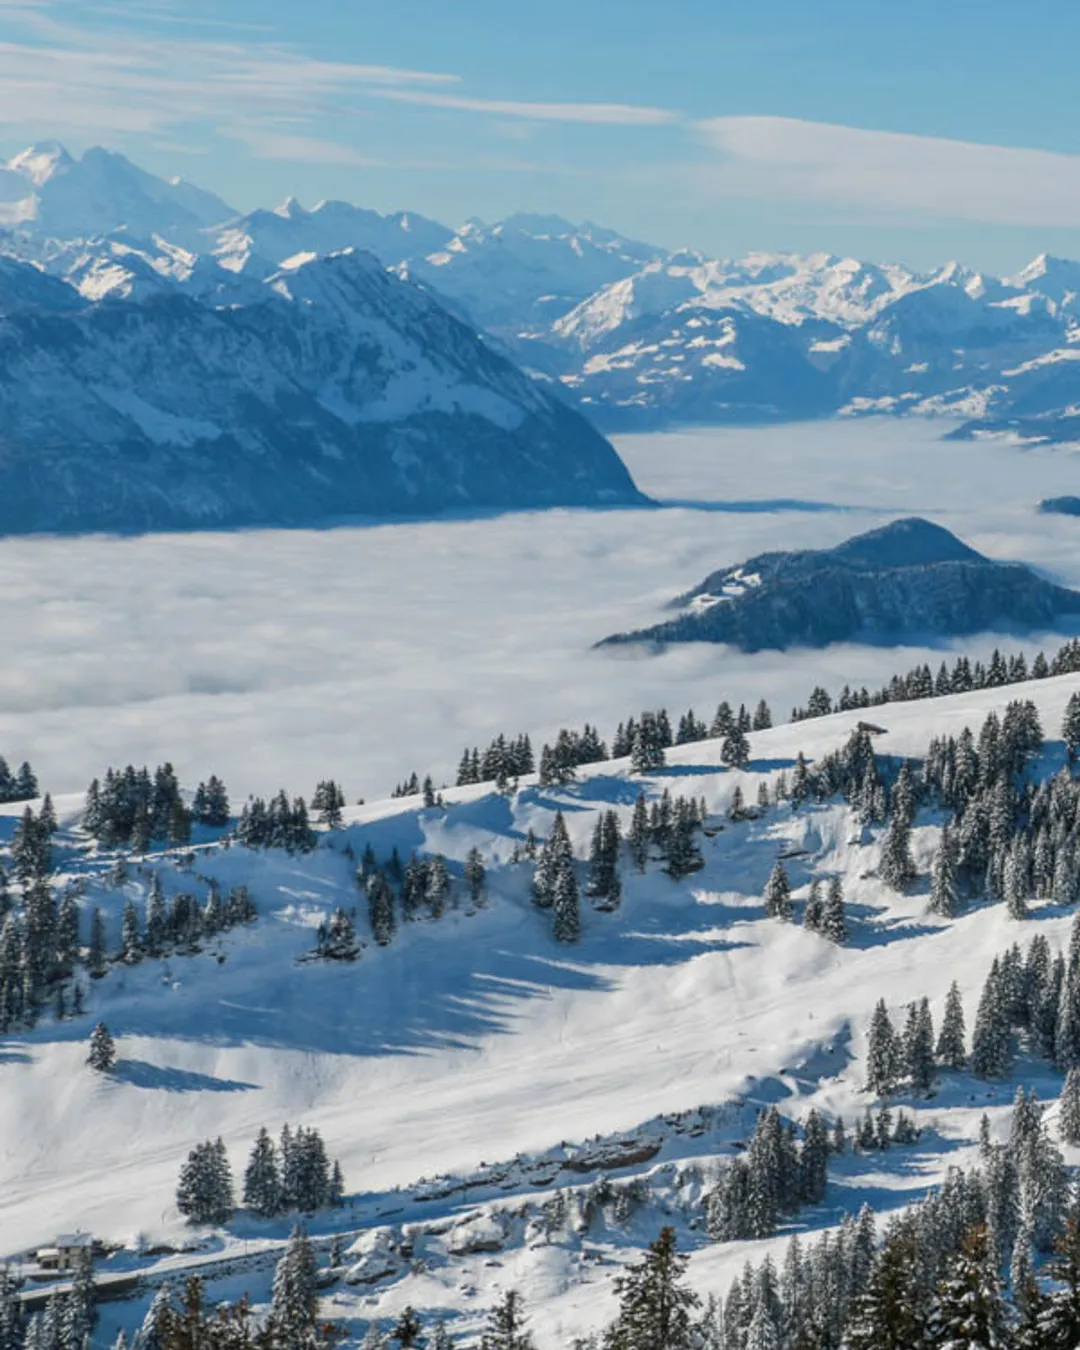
262,1184
952,1039
205,1192
1069,1116
96,955
943,893
1070,727
969,1312
475,876
130,937
834,920
1058,1322
638,837
888,1309
381,914
991,1040
566,914
814,913
655,1304
778,903
897,868
408,1329
883,1054
295,1293
102,1055
919,1047
505,1328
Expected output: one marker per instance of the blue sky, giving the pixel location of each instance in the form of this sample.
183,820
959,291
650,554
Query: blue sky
915,132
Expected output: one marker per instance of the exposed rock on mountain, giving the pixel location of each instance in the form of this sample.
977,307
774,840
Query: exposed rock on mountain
908,580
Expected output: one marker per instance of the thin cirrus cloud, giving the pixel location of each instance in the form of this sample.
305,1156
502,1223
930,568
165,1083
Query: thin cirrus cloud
592,114
894,173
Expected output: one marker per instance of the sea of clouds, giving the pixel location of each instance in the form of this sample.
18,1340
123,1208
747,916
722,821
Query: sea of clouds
277,657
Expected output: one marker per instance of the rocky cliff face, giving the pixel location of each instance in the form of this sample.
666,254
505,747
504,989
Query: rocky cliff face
909,580
331,388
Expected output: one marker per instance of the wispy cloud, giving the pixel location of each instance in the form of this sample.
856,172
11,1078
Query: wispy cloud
778,158
593,114
304,149
70,76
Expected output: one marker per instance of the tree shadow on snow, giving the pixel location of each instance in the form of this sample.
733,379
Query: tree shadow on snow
138,1073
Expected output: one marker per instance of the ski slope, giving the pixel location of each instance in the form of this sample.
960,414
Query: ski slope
477,1038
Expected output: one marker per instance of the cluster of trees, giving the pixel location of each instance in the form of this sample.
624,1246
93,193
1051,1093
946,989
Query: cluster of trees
667,831
823,913
181,923
40,951
955,1270
210,804
555,884
776,1175
962,677
421,888
21,786
294,1175
278,823
560,762
503,762
131,808
31,844
912,1058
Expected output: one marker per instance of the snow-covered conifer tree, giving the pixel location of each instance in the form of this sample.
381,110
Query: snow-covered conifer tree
102,1054
778,903
952,1039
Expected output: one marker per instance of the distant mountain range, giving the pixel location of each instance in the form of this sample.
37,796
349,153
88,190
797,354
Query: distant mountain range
906,581
146,385
628,334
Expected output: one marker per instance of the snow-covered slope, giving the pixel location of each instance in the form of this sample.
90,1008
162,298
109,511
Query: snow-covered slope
522,274
476,1039
331,388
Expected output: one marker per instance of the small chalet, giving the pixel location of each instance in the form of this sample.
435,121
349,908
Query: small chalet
65,1252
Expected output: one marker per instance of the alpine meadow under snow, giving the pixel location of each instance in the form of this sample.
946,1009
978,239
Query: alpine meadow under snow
385,958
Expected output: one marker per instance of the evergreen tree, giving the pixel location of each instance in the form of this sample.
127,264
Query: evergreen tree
295,1293
735,751
991,1040
969,1313
408,1329
638,837
130,937
1058,1321
952,1039
655,1304
505,1328
555,855
834,920
888,1311
475,876
1069,1117
778,903
205,1191
381,914
102,1055
262,1184
566,914
918,1047
897,868
1070,727
814,913
883,1054
943,893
